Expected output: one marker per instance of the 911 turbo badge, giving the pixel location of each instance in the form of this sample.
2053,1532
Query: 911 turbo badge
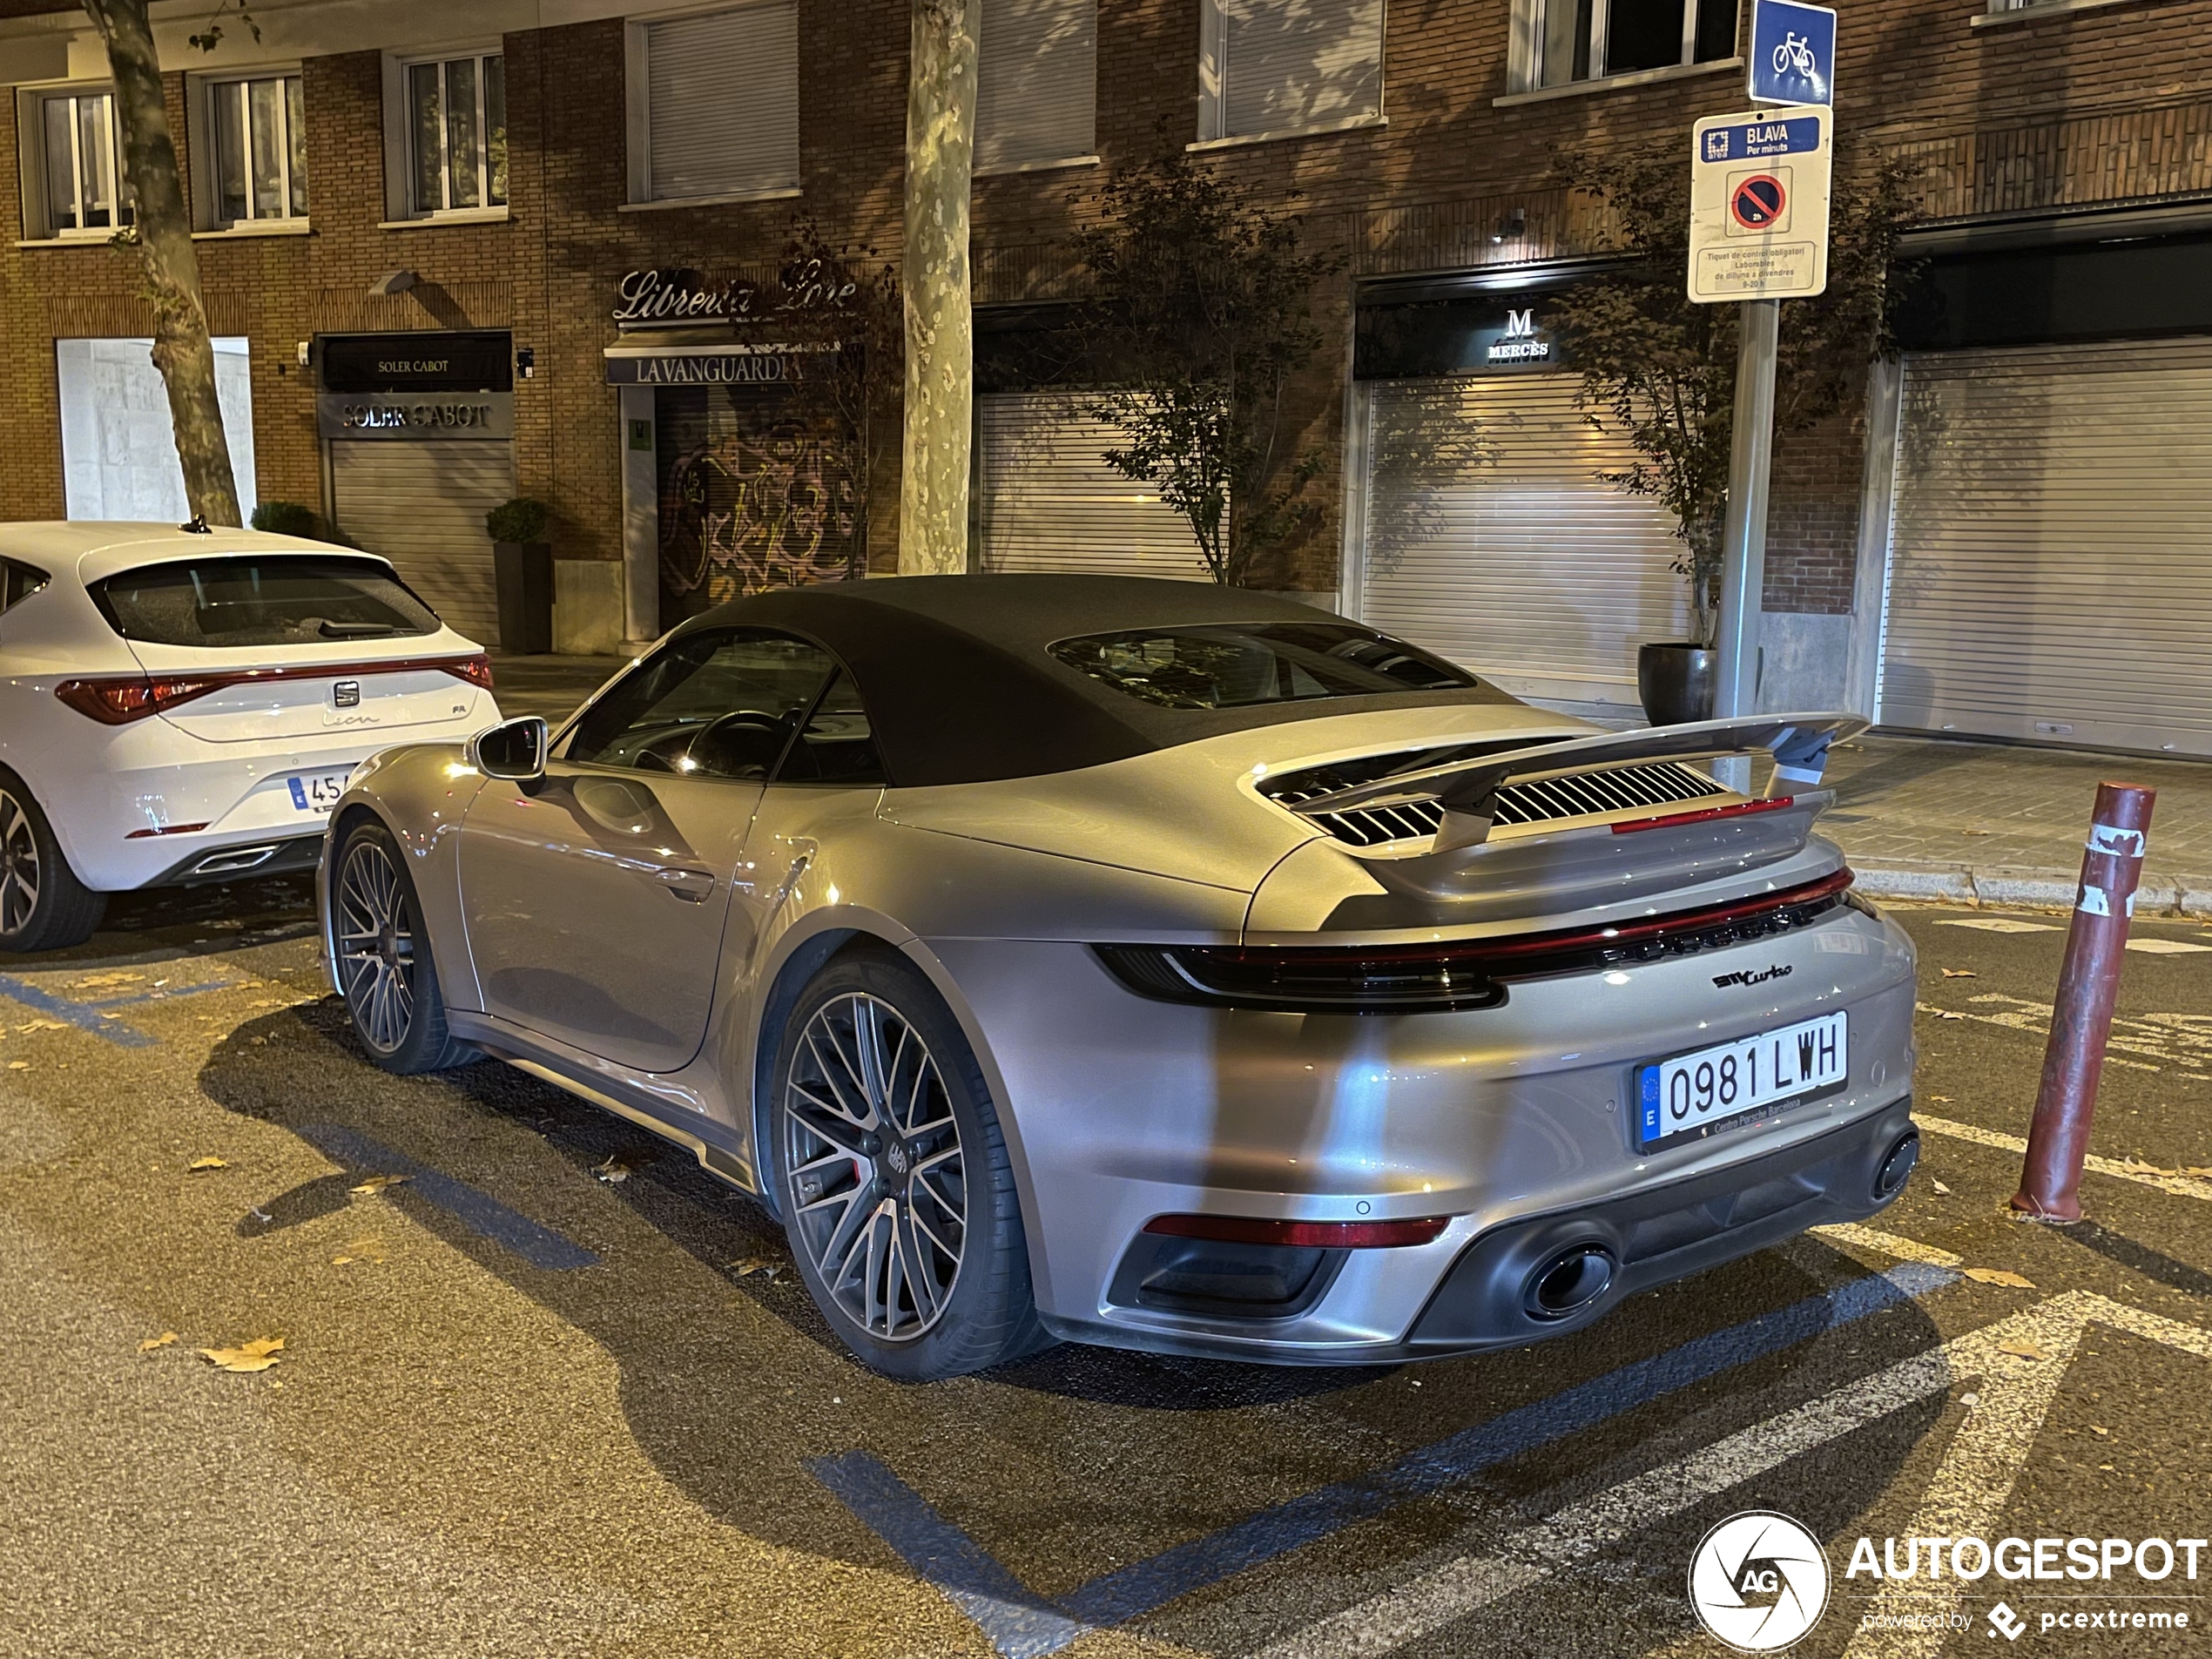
1778,971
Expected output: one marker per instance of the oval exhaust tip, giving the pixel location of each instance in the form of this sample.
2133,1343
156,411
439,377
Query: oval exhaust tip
1898,1166
1568,1282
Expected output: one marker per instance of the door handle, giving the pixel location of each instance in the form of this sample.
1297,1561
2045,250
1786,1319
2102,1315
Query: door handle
692,886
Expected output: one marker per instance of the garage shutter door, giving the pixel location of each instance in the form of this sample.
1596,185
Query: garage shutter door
2051,546
422,506
1050,504
1491,541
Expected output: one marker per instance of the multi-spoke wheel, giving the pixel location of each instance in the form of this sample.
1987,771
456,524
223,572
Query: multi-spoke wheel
384,964
897,1194
43,905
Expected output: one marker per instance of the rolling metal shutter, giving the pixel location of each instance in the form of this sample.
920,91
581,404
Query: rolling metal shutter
1049,504
1280,66
722,102
1037,83
1490,540
422,506
2050,569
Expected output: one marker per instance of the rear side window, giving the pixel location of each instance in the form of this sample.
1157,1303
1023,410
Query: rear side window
1232,667
18,582
836,745
244,600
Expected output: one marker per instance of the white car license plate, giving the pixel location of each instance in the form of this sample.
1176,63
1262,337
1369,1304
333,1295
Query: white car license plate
1691,1093
318,791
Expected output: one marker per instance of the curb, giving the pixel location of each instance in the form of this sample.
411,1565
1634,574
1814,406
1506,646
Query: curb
2159,896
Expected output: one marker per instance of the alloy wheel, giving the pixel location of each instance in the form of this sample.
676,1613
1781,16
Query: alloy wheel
375,946
878,1177
19,885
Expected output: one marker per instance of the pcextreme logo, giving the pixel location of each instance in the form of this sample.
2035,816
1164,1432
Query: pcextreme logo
1758,1582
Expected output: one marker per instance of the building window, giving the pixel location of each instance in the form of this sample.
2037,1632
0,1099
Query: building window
456,133
1036,94
78,186
254,130
1281,66
1588,40
714,104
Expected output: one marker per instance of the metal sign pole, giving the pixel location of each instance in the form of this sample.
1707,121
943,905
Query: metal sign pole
1743,539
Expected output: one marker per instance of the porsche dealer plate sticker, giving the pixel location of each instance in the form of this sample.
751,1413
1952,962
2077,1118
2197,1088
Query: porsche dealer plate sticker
318,791
1693,1094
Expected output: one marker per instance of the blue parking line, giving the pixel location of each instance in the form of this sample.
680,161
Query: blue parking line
1020,1625
1144,1587
80,1015
473,1208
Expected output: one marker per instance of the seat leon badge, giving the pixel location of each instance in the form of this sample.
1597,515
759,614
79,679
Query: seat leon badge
347,694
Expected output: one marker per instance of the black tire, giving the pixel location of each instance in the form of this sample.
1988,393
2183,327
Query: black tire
43,905
384,962
928,1323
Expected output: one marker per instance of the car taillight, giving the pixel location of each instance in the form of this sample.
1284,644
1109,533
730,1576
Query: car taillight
475,670
124,697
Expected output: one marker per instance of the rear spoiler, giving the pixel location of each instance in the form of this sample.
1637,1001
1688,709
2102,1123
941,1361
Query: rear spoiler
1468,789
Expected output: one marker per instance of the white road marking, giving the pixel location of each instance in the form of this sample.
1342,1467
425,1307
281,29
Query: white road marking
2034,1018
2166,947
1971,1487
1905,1250
2181,1185
1999,925
1968,1492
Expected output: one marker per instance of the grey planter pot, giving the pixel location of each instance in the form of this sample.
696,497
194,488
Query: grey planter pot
1674,678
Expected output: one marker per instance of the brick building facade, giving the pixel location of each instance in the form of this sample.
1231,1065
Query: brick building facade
2055,125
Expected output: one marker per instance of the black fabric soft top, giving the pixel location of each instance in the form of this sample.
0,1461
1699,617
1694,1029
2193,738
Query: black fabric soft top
960,687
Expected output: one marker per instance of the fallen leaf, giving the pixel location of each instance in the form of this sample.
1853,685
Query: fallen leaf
100,981
2202,1172
1960,973
257,1355
210,1162
1945,1099
745,1266
1939,1186
2000,1276
339,1261
615,1170
161,1341
2022,1348
2094,1429
19,1065
378,1183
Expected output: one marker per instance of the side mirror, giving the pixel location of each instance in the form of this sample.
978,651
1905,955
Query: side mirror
513,750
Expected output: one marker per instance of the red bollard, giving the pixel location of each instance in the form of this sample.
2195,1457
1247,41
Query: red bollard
2088,983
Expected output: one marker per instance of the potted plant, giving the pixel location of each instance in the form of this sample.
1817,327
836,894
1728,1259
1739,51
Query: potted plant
522,568
1662,369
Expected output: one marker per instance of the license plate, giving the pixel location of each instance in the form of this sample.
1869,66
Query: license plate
318,791
1694,1094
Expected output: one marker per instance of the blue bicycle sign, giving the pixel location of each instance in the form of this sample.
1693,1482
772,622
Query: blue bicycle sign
1793,52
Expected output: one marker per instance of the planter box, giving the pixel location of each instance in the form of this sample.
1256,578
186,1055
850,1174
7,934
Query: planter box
523,571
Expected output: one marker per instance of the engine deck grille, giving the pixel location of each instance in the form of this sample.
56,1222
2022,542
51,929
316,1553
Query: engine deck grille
1663,782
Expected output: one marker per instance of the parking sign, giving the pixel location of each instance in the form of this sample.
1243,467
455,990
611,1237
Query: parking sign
1793,52
1759,205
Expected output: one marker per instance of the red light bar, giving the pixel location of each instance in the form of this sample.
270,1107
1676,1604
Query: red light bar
1322,1234
1736,809
119,700
166,829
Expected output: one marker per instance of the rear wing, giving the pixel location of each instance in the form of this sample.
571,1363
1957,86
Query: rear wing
1468,789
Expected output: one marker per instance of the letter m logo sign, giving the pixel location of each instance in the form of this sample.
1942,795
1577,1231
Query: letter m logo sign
1520,324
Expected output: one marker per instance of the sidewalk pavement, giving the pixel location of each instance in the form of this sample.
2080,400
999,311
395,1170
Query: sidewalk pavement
1985,823
1920,817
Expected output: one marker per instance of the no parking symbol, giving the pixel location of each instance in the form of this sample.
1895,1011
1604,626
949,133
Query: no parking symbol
1758,203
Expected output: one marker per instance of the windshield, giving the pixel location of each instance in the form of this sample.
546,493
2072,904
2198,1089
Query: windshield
261,599
1239,665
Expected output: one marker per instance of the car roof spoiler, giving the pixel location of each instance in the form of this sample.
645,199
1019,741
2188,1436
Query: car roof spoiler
1468,789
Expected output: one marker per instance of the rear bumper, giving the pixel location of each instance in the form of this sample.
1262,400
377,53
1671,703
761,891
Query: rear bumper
274,856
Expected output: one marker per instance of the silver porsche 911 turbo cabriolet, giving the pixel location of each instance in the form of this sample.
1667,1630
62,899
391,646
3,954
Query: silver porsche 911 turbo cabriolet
1150,964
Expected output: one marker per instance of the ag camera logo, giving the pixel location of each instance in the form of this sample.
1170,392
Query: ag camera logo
1758,1582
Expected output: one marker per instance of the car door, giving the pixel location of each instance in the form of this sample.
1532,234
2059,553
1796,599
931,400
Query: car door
595,897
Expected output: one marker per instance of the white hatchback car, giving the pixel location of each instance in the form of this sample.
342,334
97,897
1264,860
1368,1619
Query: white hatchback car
178,706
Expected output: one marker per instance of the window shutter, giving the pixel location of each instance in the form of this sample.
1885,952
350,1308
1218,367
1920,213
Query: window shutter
1037,82
722,102
1291,63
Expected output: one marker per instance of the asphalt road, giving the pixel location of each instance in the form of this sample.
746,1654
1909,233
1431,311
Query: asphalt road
524,1408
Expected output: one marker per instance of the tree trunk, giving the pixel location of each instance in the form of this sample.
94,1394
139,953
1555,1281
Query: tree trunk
181,349
941,389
